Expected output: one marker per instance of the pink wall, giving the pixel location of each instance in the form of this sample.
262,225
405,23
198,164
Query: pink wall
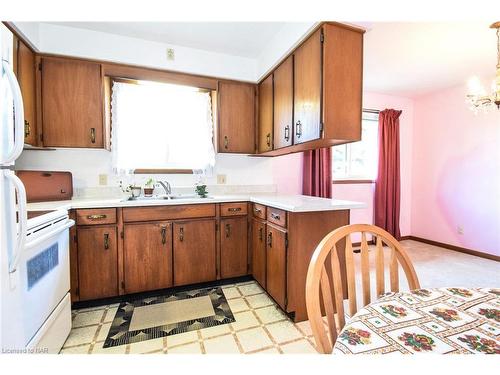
287,173
456,172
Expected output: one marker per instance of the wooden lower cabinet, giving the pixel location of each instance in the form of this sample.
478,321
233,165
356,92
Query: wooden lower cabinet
276,264
234,247
259,251
194,252
97,262
147,256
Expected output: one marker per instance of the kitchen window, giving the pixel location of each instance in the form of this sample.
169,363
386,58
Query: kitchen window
358,160
160,126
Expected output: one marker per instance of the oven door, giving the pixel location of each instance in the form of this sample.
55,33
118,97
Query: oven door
44,279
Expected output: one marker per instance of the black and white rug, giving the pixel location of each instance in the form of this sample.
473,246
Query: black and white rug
166,315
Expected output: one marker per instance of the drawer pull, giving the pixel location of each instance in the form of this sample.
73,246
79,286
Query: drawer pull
228,230
268,139
257,210
27,128
298,129
106,241
260,234
163,235
287,133
95,217
275,216
270,239
234,209
92,135
181,234
226,142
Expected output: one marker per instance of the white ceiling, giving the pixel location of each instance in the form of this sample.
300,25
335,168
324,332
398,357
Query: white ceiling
245,39
407,59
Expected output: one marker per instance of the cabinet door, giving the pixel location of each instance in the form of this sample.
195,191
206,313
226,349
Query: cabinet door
25,69
265,126
236,117
147,256
259,251
276,264
307,89
234,247
97,262
72,97
283,104
194,252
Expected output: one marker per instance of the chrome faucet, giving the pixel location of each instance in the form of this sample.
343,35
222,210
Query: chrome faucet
166,186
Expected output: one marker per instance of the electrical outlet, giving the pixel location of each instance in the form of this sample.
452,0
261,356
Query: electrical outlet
103,179
460,230
170,54
221,179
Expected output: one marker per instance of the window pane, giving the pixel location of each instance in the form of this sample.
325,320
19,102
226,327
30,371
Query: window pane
358,160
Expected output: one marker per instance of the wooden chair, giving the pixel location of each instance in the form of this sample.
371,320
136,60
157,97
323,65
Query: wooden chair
318,283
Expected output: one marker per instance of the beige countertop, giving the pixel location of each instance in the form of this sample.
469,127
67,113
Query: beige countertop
292,203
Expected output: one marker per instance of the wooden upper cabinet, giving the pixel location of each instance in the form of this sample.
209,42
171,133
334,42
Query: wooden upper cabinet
265,125
97,262
147,256
236,115
25,72
307,89
283,104
194,252
72,101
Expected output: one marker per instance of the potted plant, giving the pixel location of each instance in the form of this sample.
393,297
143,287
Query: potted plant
149,187
201,190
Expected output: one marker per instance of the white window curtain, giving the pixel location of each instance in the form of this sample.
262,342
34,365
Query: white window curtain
161,126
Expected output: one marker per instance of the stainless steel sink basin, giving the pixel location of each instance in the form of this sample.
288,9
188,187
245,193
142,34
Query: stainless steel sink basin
166,197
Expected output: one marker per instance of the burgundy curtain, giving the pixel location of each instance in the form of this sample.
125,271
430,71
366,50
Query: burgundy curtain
317,173
387,187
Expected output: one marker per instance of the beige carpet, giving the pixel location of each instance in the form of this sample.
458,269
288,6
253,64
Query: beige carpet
171,312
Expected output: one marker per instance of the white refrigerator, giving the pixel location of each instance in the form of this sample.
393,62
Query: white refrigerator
35,306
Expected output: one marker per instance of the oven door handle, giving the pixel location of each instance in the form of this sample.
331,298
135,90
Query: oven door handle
46,236
18,115
22,218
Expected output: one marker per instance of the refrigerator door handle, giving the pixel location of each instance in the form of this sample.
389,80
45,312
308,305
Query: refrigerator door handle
22,218
18,115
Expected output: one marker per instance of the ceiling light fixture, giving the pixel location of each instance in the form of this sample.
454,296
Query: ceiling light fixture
478,98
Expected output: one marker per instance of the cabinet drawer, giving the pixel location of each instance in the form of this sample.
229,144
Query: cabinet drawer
94,216
276,216
233,209
259,211
187,211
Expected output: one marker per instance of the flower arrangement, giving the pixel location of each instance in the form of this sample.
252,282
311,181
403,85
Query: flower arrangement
394,311
355,336
418,342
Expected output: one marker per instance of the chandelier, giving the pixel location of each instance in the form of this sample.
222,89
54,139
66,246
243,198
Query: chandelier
478,98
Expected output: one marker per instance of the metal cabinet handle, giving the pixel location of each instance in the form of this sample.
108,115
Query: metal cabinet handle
226,142
275,216
163,235
92,135
260,234
298,129
94,217
106,241
181,234
270,239
234,209
27,128
268,139
228,230
257,210
287,133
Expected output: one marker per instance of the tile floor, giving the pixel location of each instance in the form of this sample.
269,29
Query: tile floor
260,326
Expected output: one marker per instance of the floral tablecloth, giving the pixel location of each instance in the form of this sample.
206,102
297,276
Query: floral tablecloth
444,320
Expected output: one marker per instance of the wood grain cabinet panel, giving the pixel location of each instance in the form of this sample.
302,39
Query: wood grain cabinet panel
194,252
307,89
259,251
25,72
234,247
265,124
233,209
283,104
147,256
96,216
236,116
72,101
276,264
97,262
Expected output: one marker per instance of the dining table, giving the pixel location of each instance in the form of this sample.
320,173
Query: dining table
447,320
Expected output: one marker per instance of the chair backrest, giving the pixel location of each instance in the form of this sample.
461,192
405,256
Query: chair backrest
324,284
